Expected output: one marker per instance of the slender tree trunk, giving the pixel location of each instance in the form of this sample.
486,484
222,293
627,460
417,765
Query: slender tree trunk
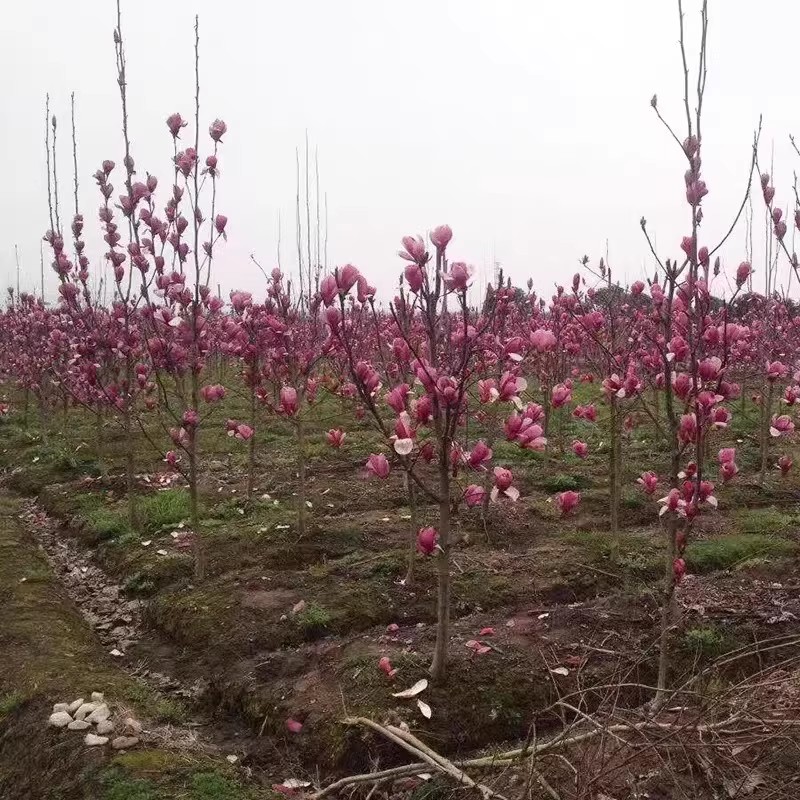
668,596
26,407
194,505
251,450
766,409
101,443
130,466
412,531
613,464
301,474
439,663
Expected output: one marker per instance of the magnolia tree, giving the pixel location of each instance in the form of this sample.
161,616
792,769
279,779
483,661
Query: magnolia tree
437,341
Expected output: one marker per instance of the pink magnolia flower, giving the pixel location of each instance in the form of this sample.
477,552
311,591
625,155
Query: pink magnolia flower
171,458
479,455
243,432
212,394
678,569
415,277
294,726
414,249
404,434
743,272
190,418
673,502
378,465
328,290
220,221
648,481
637,287
346,278
543,340
510,387
427,541
474,495
567,502
776,371
560,395
174,122
589,413
457,279
217,130
396,397
385,665
784,464
720,417
791,395
335,437
781,425
289,401
727,462
710,368
581,449
503,478
441,236
688,428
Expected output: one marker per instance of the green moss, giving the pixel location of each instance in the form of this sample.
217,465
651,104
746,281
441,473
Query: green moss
708,641
104,523
726,552
213,786
313,620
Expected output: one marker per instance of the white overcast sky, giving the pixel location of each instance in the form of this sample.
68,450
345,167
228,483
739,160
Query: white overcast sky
524,125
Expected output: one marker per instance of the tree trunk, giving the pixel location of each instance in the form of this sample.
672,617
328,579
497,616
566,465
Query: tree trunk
439,663
301,474
614,465
766,408
412,531
666,612
251,449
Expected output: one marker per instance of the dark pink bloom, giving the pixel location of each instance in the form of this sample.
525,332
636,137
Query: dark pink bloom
212,394
678,569
743,272
174,122
458,277
581,449
190,418
637,287
346,278
568,502
781,425
289,401
784,464
560,395
427,540
335,437
648,482
220,221
414,249
384,665
474,495
543,340
414,277
479,455
776,371
243,432
328,289
378,465
217,130
441,236
294,726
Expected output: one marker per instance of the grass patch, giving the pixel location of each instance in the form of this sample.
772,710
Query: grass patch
313,620
761,521
565,483
707,641
163,509
9,702
727,552
105,523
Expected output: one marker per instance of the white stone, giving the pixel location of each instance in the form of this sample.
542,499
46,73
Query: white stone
59,719
85,709
61,707
102,712
79,725
94,741
73,707
124,742
131,726
97,697
105,726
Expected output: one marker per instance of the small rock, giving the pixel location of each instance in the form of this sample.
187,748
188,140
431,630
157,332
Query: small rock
105,726
59,719
60,707
131,726
85,709
232,759
124,742
101,713
91,740
73,707
97,697
116,653
79,725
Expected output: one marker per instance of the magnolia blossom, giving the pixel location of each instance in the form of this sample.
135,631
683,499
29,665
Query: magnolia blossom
781,425
503,478
458,277
385,666
441,236
378,465
212,394
543,340
589,413
784,464
560,395
404,434
567,502
480,455
427,540
727,463
648,481
581,449
776,371
474,495
673,502
335,437
289,401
